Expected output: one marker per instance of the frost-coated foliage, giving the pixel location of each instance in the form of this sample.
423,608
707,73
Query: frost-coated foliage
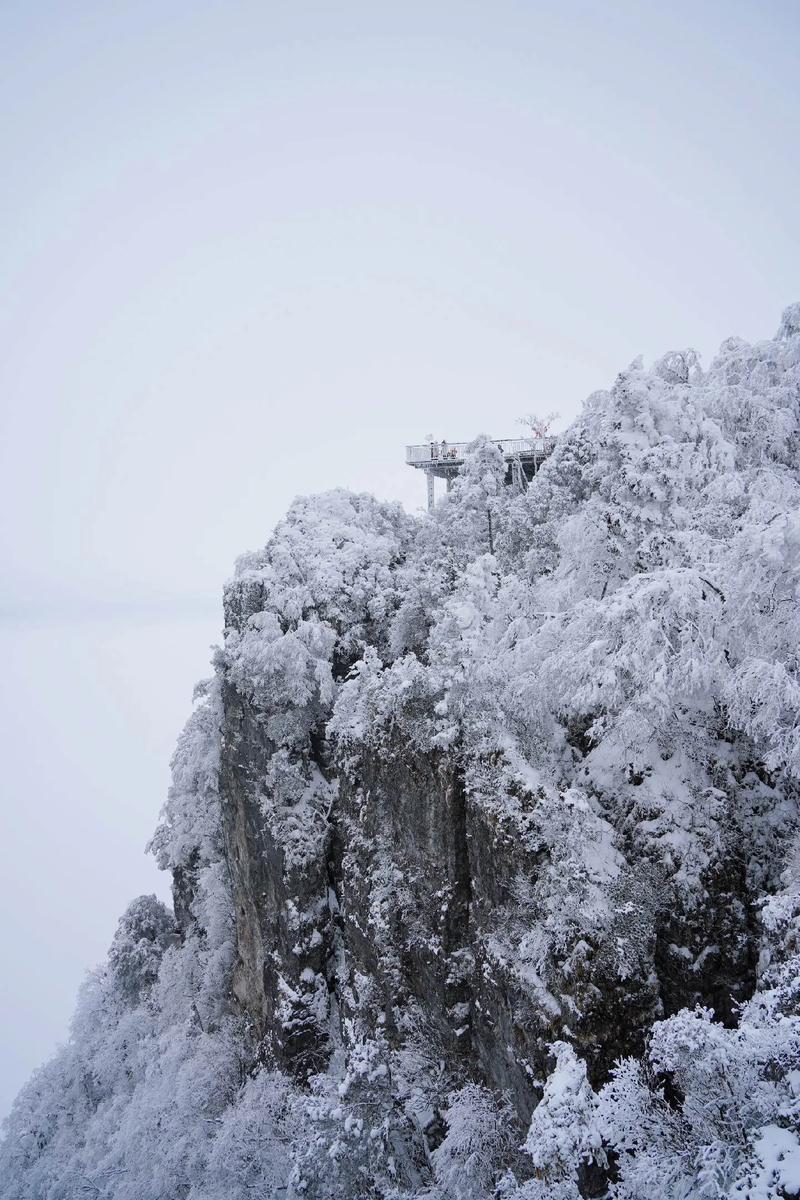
129,1107
712,1111
610,661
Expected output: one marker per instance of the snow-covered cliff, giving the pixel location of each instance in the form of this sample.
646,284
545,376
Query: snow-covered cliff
485,867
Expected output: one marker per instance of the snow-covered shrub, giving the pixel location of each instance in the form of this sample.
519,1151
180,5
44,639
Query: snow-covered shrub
478,1140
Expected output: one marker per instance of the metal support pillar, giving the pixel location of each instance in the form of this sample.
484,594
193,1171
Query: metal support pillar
449,484
430,489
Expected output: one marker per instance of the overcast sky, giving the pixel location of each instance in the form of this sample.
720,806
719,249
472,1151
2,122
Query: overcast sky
252,249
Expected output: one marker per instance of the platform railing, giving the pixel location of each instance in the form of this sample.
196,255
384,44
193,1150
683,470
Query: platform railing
454,451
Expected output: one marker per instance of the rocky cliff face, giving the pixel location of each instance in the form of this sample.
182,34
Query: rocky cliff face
418,878
460,840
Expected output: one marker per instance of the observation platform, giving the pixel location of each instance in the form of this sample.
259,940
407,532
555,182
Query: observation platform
441,460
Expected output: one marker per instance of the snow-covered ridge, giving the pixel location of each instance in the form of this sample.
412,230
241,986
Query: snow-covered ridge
474,806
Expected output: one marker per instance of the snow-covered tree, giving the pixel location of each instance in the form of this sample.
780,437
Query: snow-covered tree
478,1139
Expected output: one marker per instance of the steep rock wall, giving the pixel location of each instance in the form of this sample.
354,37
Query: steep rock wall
417,885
